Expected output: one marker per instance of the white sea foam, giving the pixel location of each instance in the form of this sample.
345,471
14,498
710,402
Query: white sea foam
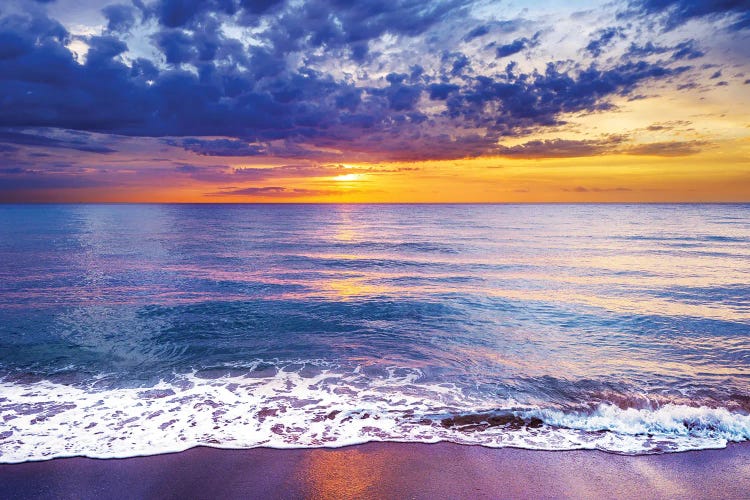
43,420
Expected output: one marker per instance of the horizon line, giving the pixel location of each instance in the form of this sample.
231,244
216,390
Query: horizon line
747,202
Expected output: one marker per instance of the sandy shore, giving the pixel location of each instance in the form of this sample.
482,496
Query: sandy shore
387,470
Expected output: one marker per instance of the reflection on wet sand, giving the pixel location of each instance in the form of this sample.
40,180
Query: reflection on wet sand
344,473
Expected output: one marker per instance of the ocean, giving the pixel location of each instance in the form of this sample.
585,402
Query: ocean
142,329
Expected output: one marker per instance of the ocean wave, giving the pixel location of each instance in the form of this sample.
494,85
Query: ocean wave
321,408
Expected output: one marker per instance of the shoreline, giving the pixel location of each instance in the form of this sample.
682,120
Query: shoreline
386,470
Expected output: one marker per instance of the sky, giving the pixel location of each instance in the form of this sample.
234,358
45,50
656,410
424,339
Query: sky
374,101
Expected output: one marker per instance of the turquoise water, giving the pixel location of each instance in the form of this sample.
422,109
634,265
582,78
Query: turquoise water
138,329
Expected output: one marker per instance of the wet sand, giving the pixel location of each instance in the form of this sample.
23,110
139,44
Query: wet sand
387,470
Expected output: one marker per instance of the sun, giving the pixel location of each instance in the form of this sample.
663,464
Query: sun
347,177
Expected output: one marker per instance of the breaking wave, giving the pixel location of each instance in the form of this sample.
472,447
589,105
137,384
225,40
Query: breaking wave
296,407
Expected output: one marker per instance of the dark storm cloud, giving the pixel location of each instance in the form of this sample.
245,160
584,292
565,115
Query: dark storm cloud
524,101
220,147
205,85
512,48
176,46
183,13
678,12
177,13
441,91
120,17
19,138
477,32
602,39
338,23
687,49
517,46
13,179
505,26
42,85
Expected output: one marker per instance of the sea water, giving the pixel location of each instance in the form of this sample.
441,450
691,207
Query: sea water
141,329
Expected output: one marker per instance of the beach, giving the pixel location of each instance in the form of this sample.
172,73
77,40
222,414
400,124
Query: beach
387,470
401,249
316,338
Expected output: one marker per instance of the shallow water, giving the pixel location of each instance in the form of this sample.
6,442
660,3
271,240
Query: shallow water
137,329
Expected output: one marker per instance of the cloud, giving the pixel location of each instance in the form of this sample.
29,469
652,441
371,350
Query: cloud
178,13
19,179
525,101
219,147
24,139
291,171
668,125
517,46
584,189
677,12
441,91
255,191
120,17
480,30
603,38
501,26
614,144
274,192
671,148
317,82
687,49
561,148
227,174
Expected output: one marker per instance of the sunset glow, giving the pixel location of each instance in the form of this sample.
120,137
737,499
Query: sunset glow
165,101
